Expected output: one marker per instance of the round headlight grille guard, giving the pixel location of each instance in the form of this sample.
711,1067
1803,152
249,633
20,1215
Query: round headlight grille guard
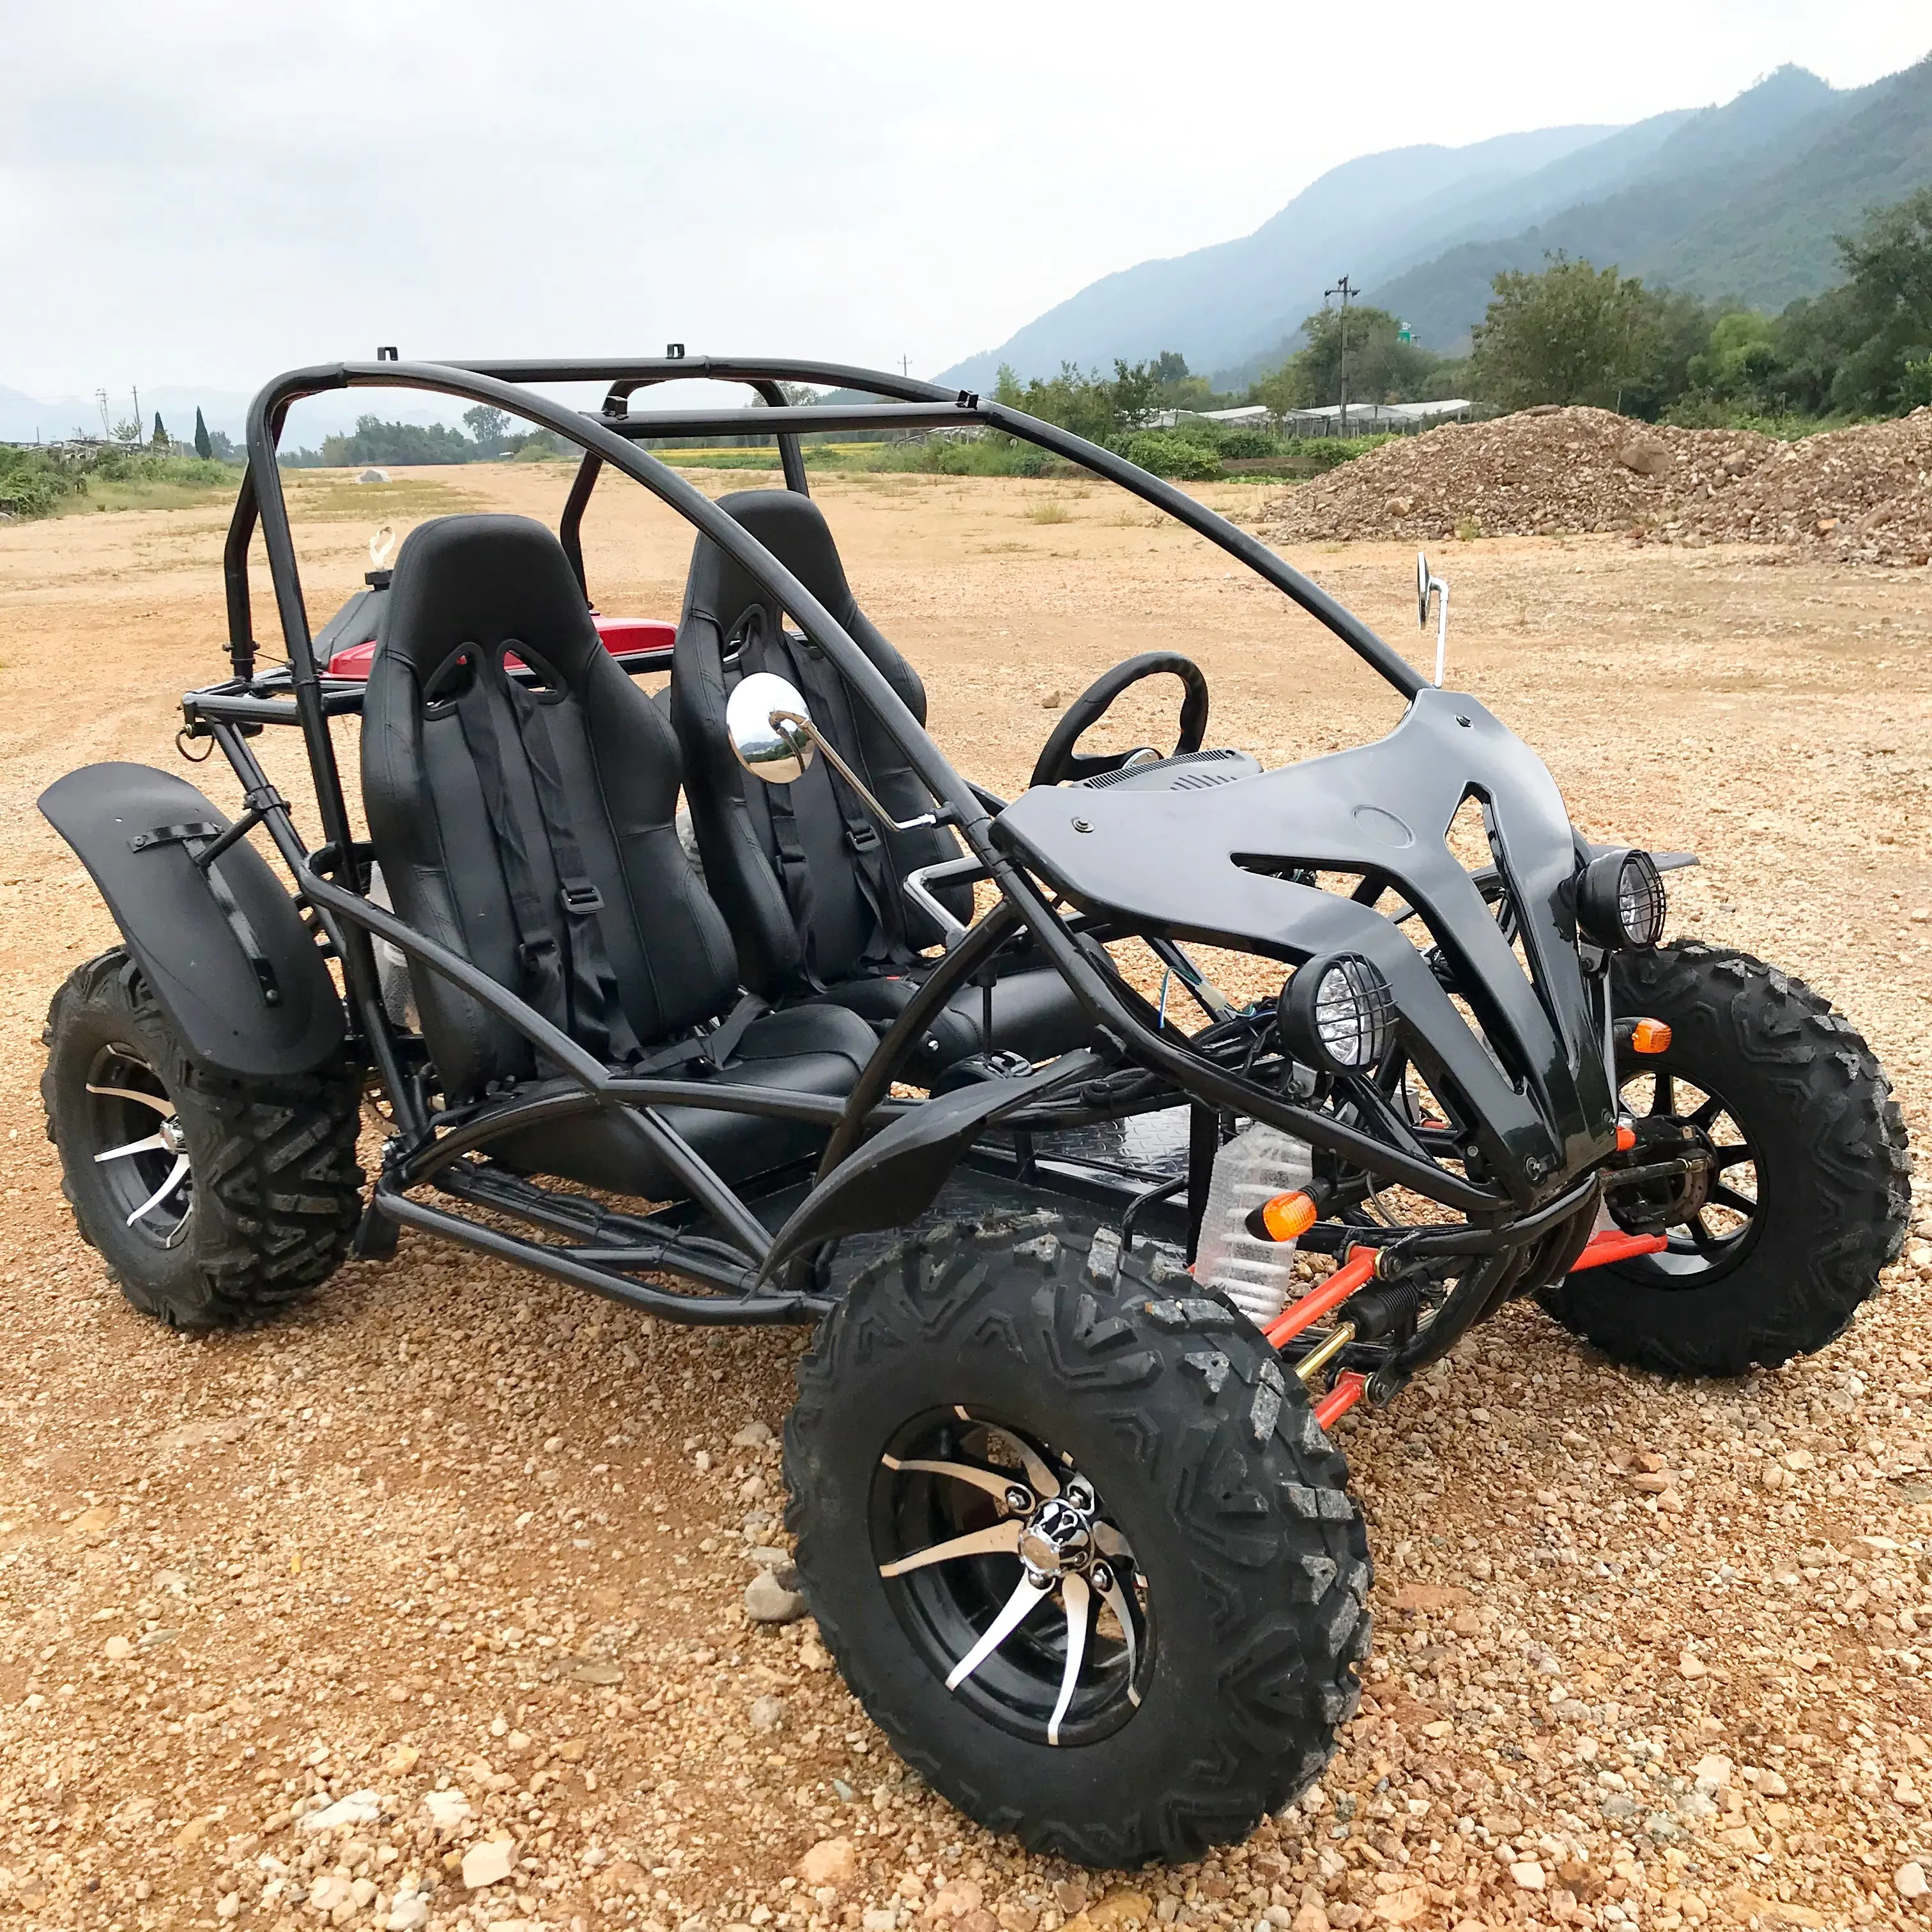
1336,1013
1620,902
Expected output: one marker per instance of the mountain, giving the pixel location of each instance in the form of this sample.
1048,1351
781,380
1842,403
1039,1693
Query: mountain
1774,241
1220,303
1741,200
1704,166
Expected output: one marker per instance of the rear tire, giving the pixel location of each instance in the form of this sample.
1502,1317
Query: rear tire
254,1190
1237,1555
1830,1198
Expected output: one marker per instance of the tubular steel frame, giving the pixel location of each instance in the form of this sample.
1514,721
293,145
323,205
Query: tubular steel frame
733,1259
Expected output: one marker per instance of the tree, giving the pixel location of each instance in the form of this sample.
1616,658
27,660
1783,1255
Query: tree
1137,397
1382,367
1739,362
1289,388
1091,405
1573,334
488,426
160,438
203,448
1886,315
395,444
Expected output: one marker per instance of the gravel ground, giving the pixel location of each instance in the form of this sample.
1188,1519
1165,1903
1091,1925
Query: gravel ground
426,1607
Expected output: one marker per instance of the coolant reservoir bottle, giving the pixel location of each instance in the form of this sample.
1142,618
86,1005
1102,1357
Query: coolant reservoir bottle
1258,1163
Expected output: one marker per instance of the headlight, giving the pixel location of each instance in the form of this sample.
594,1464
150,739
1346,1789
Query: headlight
1335,1014
1620,901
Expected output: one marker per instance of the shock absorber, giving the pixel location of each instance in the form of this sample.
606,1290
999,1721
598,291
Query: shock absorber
1367,1311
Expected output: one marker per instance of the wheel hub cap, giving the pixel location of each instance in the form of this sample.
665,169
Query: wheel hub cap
1059,1538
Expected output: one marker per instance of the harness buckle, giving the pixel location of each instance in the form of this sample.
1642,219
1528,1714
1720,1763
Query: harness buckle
862,839
581,897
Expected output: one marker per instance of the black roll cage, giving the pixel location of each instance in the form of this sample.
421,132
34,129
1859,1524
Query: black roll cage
752,1280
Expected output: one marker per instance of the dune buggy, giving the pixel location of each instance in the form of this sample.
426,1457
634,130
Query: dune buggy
1093,1285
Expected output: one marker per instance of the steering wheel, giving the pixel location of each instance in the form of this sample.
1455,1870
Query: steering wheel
1059,760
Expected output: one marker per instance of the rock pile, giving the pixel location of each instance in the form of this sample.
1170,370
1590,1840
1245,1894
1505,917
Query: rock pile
1862,495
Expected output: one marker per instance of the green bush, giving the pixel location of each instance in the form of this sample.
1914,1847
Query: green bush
1244,445
1166,454
32,482
35,482
1329,452
989,455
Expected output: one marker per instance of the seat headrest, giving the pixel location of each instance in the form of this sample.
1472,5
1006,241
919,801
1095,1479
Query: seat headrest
483,581
793,528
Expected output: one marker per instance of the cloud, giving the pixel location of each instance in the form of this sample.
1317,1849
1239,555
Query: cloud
207,193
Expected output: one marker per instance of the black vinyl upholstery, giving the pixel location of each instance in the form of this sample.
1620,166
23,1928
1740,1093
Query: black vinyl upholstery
470,584
729,628
817,937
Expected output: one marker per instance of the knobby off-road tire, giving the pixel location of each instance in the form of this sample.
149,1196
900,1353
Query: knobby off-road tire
1833,1172
1252,1556
273,1193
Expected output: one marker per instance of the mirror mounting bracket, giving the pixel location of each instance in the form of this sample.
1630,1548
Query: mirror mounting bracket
773,736
1428,585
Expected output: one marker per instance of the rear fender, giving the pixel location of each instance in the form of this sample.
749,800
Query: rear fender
244,983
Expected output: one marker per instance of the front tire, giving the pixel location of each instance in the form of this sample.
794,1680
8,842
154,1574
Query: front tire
1144,1489
1811,1195
213,1201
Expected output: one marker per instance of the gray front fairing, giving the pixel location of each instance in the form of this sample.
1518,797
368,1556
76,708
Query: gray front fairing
1202,864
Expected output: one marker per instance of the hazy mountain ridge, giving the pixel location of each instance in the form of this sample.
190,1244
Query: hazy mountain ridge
1735,204
1219,303
1741,199
1775,242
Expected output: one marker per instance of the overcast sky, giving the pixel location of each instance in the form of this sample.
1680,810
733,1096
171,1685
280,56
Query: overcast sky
206,193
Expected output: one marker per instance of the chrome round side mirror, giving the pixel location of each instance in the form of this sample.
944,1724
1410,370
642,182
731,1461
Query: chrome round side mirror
1424,580
768,725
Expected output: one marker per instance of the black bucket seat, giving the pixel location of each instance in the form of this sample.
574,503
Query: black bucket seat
809,880
529,827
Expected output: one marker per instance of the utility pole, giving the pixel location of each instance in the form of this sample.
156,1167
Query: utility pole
107,426
905,365
1345,289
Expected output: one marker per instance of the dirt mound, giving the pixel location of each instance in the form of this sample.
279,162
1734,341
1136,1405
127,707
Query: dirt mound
1863,495
1860,494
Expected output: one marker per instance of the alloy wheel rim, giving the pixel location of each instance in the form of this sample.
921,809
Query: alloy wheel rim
144,1160
1715,1239
1014,1583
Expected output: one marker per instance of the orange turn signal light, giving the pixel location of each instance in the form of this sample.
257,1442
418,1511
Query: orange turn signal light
1289,1217
1626,1139
1650,1036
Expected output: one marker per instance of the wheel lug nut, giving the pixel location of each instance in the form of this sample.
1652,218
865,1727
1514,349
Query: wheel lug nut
1103,1578
1018,1498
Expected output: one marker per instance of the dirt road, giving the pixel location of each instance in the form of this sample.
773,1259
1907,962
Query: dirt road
460,1554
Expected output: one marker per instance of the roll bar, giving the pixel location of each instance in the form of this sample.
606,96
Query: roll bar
333,878
916,405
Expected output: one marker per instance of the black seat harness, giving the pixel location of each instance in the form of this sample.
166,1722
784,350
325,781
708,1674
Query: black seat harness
887,948
567,975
